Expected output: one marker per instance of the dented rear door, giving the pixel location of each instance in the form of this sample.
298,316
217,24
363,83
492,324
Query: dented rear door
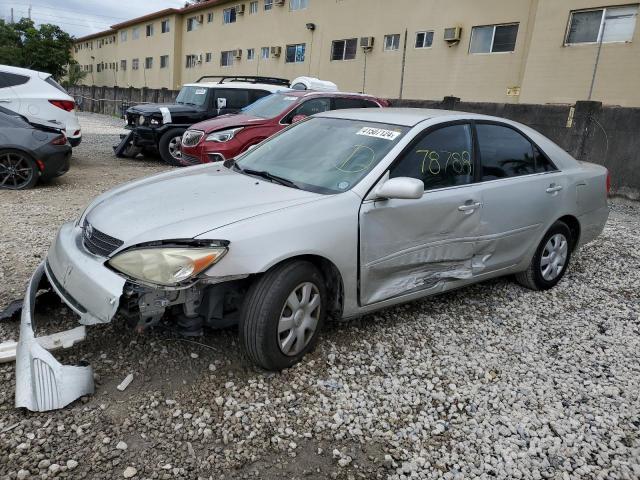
412,245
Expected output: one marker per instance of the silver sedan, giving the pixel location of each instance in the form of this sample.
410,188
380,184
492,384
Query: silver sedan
342,214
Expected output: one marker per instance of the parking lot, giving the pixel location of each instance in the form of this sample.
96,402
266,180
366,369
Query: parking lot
491,381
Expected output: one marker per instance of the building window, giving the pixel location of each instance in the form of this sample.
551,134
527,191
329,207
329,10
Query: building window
229,15
295,53
123,36
344,49
150,30
191,24
207,57
226,58
123,65
135,33
251,53
615,24
134,64
392,42
165,27
209,17
148,63
494,38
253,7
298,4
268,4
164,61
424,39
264,52
192,61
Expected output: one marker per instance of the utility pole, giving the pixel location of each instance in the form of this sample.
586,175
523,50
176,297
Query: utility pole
11,14
29,14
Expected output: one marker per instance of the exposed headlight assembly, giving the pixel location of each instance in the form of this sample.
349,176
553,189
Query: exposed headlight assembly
223,135
166,266
141,120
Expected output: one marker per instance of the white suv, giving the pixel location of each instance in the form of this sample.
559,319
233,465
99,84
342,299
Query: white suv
37,94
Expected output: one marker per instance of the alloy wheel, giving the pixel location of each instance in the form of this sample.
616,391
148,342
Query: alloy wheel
554,257
299,318
175,147
16,171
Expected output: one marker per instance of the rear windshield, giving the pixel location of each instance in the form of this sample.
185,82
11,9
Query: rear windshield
196,96
271,106
55,84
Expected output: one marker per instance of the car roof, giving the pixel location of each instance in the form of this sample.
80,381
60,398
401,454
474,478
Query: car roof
311,93
23,71
397,116
250,86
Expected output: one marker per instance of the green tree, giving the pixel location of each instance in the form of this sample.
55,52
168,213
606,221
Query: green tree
46,49
74,75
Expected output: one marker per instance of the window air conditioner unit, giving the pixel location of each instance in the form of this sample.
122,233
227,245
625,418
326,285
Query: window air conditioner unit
240,9
200,18
276,51
367,42
452,34
237,53
279,3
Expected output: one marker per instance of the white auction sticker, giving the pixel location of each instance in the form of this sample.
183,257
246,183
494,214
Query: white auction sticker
201,91
378,133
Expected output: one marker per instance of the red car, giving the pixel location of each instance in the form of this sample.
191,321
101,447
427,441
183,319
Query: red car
226,136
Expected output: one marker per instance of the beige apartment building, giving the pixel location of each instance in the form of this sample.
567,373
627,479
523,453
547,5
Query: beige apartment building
516,51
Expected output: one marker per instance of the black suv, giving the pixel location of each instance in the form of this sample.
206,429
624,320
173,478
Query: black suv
160,127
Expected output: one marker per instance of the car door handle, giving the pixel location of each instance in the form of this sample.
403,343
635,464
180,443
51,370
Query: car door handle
554,188
468,207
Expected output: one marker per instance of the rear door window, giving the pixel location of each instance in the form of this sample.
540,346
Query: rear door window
257,95
12,80
237,98
342,103
504,152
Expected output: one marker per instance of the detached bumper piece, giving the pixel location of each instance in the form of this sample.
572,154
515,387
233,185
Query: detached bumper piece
42,383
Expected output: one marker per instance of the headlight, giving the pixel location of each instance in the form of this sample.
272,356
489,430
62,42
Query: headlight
155,121
166,266
141,120
223,135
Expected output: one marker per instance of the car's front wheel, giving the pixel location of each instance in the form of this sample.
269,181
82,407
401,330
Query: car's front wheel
550,261
170,147
282,315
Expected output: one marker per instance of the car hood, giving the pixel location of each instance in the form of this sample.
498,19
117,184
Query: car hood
186,203
150,108
227,121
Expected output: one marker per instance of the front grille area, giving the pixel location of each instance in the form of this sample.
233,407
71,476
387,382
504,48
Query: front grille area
99,243
189,160
191,138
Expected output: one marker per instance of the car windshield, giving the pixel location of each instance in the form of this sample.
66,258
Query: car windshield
323,155
271,105
191,95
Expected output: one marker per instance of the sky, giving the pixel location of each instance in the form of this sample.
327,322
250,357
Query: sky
83,17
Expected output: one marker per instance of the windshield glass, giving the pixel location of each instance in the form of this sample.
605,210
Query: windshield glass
324,155
192,96
271,105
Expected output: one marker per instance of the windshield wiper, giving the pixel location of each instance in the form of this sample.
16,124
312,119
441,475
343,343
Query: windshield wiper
268,176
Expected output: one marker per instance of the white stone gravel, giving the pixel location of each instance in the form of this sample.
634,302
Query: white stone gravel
492,381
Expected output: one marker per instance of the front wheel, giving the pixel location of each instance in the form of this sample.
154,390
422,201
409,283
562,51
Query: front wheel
170,147
550,261
282,315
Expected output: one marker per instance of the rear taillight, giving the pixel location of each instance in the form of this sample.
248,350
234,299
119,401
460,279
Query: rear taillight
66,105
608,182
59,140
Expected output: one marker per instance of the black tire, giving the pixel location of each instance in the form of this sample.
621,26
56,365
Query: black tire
164,146
266,302
18,171
533,277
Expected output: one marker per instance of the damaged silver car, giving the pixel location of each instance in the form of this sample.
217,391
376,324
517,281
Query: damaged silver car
342,214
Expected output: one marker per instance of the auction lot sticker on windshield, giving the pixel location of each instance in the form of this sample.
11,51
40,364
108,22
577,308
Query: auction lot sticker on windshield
378,133
201,91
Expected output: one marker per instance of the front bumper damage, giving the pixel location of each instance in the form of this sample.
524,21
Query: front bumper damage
42,383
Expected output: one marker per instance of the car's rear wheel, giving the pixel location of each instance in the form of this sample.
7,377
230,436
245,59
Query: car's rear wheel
282,315
17,170
550,261
170,147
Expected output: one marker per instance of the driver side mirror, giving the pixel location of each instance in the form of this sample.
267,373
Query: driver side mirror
404,188
221,103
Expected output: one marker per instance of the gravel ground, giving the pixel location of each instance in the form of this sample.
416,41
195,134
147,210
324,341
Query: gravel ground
492,381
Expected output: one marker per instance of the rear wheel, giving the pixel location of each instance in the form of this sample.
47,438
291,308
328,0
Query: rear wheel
170,147
282,315
550,261
18,170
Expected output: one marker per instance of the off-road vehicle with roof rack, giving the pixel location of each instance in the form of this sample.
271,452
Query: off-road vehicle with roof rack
160,126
